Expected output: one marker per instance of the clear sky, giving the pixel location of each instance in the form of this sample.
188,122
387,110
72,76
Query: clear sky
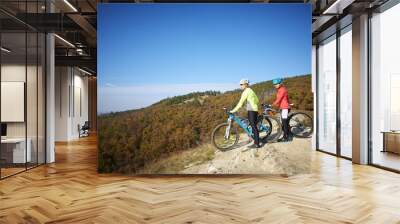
147,52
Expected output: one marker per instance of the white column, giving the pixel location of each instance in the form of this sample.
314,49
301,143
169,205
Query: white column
50,99
314,91
50,92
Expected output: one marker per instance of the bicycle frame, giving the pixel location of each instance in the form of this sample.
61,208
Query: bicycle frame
238,120
240,123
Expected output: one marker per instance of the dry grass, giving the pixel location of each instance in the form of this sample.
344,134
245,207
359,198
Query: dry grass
179,161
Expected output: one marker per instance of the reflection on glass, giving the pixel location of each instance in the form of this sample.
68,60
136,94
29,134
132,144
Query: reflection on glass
41,98
346,93
327,95
385,88
394,102
14,150
22,90
31,100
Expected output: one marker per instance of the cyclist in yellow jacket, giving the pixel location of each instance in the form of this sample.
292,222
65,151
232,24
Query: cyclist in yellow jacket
249,96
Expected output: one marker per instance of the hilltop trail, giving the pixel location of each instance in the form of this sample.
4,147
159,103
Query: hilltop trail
287,158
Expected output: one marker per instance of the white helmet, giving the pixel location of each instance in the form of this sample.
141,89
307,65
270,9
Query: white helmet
244,81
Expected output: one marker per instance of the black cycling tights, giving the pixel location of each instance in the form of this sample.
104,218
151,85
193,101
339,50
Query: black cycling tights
253,115
285,124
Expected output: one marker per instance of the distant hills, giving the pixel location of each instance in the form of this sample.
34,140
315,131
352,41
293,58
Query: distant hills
128,140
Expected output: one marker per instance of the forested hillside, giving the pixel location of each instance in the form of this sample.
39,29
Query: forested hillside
128,140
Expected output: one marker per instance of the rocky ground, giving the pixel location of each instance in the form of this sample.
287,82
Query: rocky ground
288,158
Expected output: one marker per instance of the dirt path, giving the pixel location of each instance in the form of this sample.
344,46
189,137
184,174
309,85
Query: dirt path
287,158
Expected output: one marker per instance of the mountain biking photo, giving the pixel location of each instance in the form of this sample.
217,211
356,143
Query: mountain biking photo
161,97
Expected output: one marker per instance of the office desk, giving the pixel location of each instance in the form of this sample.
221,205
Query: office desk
13,150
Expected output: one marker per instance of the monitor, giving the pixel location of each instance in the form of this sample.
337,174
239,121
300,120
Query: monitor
3,129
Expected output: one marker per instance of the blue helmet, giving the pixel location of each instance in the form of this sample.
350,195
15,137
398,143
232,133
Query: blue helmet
277,81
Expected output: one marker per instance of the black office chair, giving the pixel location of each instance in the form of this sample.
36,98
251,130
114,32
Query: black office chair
84,130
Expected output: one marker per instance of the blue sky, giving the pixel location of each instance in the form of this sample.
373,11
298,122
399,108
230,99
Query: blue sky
147,52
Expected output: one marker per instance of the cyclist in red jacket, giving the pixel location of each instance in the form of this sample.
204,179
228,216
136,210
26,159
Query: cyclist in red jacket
282,101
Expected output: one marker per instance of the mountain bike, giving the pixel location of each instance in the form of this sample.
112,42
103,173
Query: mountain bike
226,135
300,124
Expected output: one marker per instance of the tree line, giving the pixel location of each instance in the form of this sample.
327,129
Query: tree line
130,139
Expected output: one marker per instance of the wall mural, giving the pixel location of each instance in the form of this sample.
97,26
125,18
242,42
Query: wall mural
204,88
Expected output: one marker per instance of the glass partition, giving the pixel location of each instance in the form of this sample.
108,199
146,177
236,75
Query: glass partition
31,86
14,153
31,99
385,88
346,92
327,95
22,88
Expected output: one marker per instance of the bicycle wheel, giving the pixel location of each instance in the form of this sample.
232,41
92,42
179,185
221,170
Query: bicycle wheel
274,129
301,125
220,133
264,128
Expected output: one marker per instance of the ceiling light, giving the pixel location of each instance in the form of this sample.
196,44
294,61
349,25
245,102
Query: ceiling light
79,51
338,6
64,40
70,5
5,50
84,71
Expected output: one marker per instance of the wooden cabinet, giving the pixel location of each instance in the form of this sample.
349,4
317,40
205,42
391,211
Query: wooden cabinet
391,142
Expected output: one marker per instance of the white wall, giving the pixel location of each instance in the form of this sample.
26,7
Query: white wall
62,82
80,110
33,126
12,73
71,94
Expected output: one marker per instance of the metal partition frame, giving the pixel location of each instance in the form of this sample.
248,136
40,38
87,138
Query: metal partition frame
44,75
387,5
337,28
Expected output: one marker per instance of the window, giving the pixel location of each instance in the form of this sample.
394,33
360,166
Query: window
327,95
346,92
385,88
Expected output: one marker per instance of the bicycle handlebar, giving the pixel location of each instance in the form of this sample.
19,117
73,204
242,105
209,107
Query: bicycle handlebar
267,108
268,105
226,110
